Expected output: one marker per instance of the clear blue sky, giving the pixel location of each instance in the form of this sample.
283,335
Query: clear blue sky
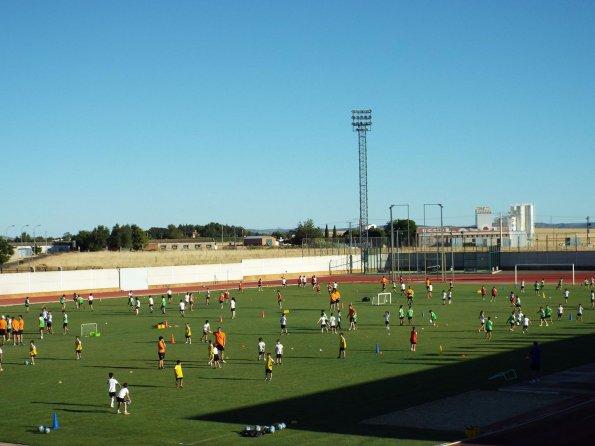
156,112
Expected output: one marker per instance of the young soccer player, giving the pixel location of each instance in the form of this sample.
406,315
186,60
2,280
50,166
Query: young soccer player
27,304
137,306
220,339
161,352
41,325
211,350
542,318
413,339
268,368
449,296
333,323
259,284
283,322
63,302
179,374
579,313
207,297
206,329
489,327
548,314
526,323
560,311
188,334
169,295
78,347
32,352
339,317
433,318
322,321
216,360
279,299
182,307
279,352
387,320
261,348
352,313
566,294
112,385
494,293
443,297
410,315
221,300
232,307
123,399
523,286
401,315
163,304
511,321
151,303
342,346
64,322
90,301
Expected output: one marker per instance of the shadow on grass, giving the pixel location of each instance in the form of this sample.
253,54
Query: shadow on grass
55,403
359,402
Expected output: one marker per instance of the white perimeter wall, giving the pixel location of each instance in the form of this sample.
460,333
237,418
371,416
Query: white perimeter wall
143,278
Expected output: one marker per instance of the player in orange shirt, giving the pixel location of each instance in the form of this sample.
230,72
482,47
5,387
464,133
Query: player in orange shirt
21,329
220,343
15,331
161,351
384,281
3,328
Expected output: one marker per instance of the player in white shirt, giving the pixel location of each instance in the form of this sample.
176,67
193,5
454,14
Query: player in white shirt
525,324
566,294
322,321
430,289
137,306
169,295
151,302
449,296
560,311
261,348
283,282
279,352
90,301
443,297
333,323
187,299
123,399
182,307
112,385
579,313
402,288
519,317
206,329
387,319
232,307
283,323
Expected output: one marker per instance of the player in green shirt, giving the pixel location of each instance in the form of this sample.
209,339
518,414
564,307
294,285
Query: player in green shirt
433,318
410,315
489,327
64,322
511,321
401,315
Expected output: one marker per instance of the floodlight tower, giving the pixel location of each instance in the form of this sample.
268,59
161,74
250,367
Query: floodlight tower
361,122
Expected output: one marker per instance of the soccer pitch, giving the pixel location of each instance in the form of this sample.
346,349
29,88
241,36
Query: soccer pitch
322,399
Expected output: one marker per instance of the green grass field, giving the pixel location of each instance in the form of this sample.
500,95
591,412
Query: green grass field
322,399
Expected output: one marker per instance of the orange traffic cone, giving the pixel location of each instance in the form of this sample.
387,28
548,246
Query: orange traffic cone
172,340
166,324
262,315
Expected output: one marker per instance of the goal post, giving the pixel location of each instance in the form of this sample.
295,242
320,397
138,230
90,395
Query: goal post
88,329
542,267
382,299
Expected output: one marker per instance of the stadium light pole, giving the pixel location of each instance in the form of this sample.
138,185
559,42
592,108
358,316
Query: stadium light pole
441,238
35,240
7,228
392,243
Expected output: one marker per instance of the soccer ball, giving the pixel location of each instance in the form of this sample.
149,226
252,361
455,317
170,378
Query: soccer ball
128,402
47,430
26,362
41,429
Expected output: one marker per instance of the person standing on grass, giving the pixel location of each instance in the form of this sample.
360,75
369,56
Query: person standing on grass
206,330
3,329
433,318
542,318
163,304
221,299
489,327
494,293
483,292
21,329
192,301
333,323
261,349
259,284
526,323
534,358
342,346
123,399
511,321
268,368
78,347
41,325
401,315
402,288
90,300
182,307
188,334
208,297
279,299
27,304
279,352
179,374
169,295
151,303
410,315
387,320
322,321
137,306
413,339
566,294
443,297
283,322
161,352
32,352
523,286
220,339
216,359
232,307
560,311
64,322
112,385
579,313
63,302
548,314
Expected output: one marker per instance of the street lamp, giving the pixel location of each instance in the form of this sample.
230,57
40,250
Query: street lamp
392,243
7,228
35,240
23,233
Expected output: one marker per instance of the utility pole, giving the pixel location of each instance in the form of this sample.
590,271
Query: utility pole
588,230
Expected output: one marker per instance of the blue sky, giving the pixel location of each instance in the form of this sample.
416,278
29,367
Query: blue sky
157,112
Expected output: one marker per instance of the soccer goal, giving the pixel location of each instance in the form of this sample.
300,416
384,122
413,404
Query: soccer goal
542,267
88,329
382,299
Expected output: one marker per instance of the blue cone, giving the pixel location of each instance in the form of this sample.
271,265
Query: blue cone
377,348
55,424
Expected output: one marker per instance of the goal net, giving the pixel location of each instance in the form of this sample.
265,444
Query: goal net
382,299
88,329
566,270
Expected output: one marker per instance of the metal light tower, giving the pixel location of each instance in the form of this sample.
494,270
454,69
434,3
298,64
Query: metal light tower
361,122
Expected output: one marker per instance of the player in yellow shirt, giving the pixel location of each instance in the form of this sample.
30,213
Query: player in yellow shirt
342,346
78,347
32,352
188,334
268,370
179,375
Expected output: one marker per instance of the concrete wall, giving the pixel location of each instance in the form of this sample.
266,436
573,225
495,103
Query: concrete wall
145,278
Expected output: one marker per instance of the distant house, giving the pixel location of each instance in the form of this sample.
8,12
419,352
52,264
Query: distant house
179,245
260,240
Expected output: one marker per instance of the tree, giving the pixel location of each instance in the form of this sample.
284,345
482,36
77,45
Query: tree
173,232
114,242
139,238
306,230
99,237
6,251
326,234
334,232
401,229
126,237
